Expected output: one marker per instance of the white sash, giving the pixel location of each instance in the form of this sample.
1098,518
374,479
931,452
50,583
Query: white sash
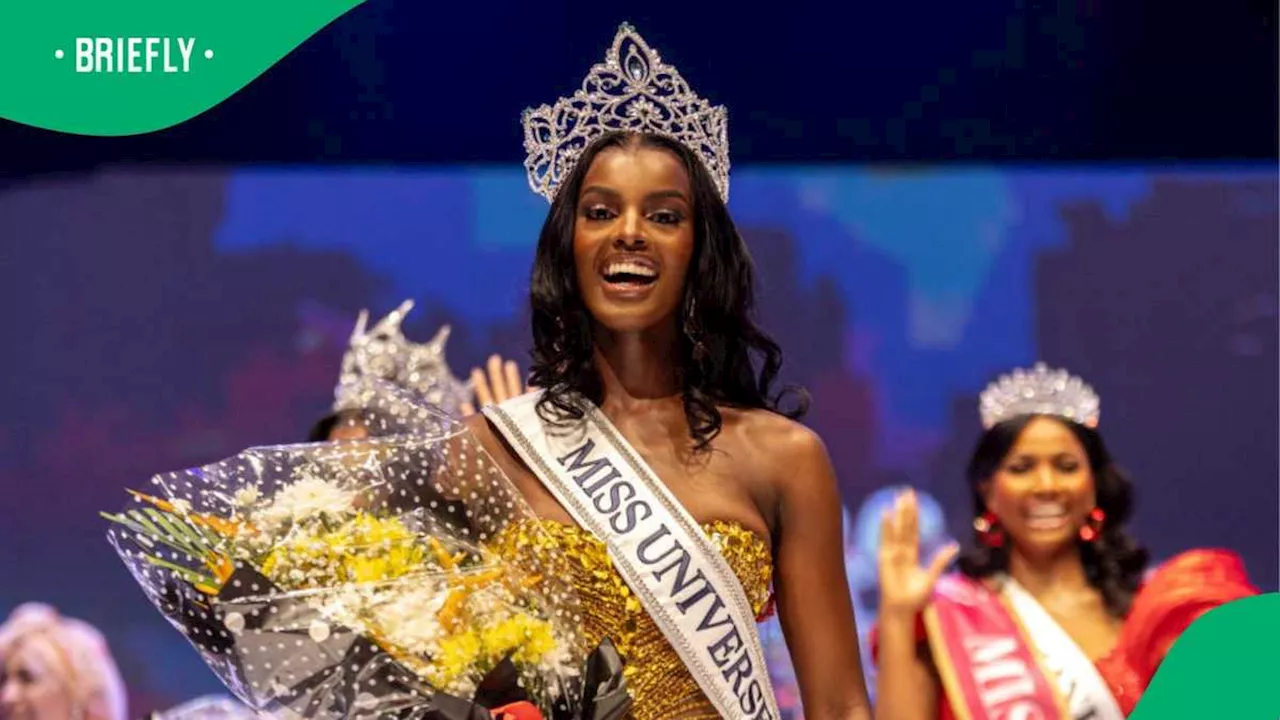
666,559
1086,693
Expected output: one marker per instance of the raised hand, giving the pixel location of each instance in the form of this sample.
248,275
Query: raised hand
906,585
502,382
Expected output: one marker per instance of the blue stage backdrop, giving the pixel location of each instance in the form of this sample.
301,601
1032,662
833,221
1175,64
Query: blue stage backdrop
162,319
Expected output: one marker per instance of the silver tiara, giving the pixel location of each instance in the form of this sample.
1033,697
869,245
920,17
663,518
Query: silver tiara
632,90
1039,391
384,353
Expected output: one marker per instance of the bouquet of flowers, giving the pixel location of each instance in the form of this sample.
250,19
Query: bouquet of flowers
359,579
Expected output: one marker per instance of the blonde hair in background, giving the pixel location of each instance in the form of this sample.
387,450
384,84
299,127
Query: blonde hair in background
84,661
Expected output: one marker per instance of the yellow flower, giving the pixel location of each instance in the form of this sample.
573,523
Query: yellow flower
377,549
303,562
526,638
370,530
395,562
364,549
458,655
366,569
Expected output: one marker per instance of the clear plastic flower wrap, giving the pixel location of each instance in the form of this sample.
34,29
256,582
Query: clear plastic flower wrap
362,578
209,707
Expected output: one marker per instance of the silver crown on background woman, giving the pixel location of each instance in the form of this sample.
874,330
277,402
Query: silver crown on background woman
384,353
1039,391
632,90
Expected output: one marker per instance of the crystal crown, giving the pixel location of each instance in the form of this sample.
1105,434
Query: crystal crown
634,91
384,353
1038,391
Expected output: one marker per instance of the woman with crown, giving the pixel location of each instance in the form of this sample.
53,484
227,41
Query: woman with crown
1050,615
383,353
656,453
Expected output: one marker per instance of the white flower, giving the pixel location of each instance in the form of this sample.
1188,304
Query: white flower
464,686
246,496
341,605
182,507
490,601
407,617
306,498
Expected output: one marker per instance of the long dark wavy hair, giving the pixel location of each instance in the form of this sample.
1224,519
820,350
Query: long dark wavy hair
736,363
1114,563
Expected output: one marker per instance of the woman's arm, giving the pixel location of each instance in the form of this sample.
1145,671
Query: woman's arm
811,585
906,679
906,684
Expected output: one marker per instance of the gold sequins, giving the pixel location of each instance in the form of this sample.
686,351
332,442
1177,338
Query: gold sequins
660,685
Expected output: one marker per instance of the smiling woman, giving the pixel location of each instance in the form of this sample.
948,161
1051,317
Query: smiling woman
657,452
633,255
631,241
1051,599
642,297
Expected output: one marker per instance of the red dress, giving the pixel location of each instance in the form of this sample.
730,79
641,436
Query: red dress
1178,592
1173,596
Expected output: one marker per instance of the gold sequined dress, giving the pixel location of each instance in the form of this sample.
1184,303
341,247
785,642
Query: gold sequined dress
659,683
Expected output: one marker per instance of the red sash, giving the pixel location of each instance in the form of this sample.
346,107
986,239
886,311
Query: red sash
987,666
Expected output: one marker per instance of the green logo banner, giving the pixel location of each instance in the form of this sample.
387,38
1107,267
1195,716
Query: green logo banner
124,67
1226,665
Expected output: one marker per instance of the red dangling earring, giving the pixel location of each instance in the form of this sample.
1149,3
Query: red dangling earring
1093,525
988,530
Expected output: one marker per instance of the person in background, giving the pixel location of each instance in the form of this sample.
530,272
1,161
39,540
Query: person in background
56,668
385,353
499,384
1053,594
861,549
341,425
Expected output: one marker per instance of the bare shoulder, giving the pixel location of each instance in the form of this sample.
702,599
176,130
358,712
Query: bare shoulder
788,448
790,439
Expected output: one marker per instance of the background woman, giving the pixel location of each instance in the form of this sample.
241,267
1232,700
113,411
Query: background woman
1051,594
56,668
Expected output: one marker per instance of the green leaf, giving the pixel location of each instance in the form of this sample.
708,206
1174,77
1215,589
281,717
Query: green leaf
174,530
132,523
191,576
181,527
140,517
209,538
135,520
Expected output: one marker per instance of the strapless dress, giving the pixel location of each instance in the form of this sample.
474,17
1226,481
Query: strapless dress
661,686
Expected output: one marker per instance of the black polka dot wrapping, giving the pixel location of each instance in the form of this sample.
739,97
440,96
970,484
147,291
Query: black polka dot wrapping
240,557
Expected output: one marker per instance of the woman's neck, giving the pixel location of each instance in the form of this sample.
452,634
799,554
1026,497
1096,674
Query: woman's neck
1048,574
637,368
